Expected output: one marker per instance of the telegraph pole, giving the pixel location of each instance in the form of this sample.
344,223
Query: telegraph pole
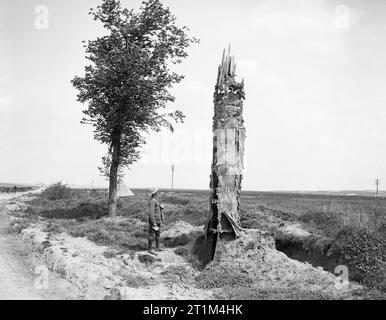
376,185
172,176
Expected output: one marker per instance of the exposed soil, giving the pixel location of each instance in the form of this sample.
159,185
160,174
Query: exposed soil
22,273
316,256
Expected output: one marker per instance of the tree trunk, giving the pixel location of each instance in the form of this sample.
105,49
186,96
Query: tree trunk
113,187
228,152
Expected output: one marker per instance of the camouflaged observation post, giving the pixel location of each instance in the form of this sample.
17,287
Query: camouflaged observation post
228,153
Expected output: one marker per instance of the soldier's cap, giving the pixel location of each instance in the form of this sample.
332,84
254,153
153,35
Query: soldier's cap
154,190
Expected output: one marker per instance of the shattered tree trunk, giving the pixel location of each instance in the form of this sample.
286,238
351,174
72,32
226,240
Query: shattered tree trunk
228,152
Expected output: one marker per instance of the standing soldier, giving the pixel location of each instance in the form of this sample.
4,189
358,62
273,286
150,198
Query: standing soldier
155,218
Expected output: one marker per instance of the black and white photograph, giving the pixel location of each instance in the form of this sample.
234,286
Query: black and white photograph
208,152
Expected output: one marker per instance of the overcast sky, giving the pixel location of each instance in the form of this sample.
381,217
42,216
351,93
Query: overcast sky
315,109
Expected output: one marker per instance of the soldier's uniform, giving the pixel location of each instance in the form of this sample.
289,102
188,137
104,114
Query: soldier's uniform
155,218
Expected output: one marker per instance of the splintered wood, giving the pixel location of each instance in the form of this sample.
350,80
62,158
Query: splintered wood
228,152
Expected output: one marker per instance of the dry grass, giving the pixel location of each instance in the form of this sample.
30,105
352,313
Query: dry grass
348,220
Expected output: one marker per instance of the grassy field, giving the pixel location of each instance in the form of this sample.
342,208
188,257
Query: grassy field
356,225
360,212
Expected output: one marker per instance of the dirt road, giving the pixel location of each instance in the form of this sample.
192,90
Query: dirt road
18,264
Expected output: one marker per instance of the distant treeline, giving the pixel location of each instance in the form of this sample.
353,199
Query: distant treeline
15,189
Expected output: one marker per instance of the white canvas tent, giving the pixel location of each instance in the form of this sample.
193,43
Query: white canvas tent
123,190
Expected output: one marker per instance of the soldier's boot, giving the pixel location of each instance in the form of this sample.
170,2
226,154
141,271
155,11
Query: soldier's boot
157,244
150,243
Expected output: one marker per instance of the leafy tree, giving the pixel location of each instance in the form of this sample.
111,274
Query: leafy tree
126,86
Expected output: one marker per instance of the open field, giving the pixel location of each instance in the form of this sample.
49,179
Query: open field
326,231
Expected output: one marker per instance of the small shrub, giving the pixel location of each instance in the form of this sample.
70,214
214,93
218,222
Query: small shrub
177,273
57,191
